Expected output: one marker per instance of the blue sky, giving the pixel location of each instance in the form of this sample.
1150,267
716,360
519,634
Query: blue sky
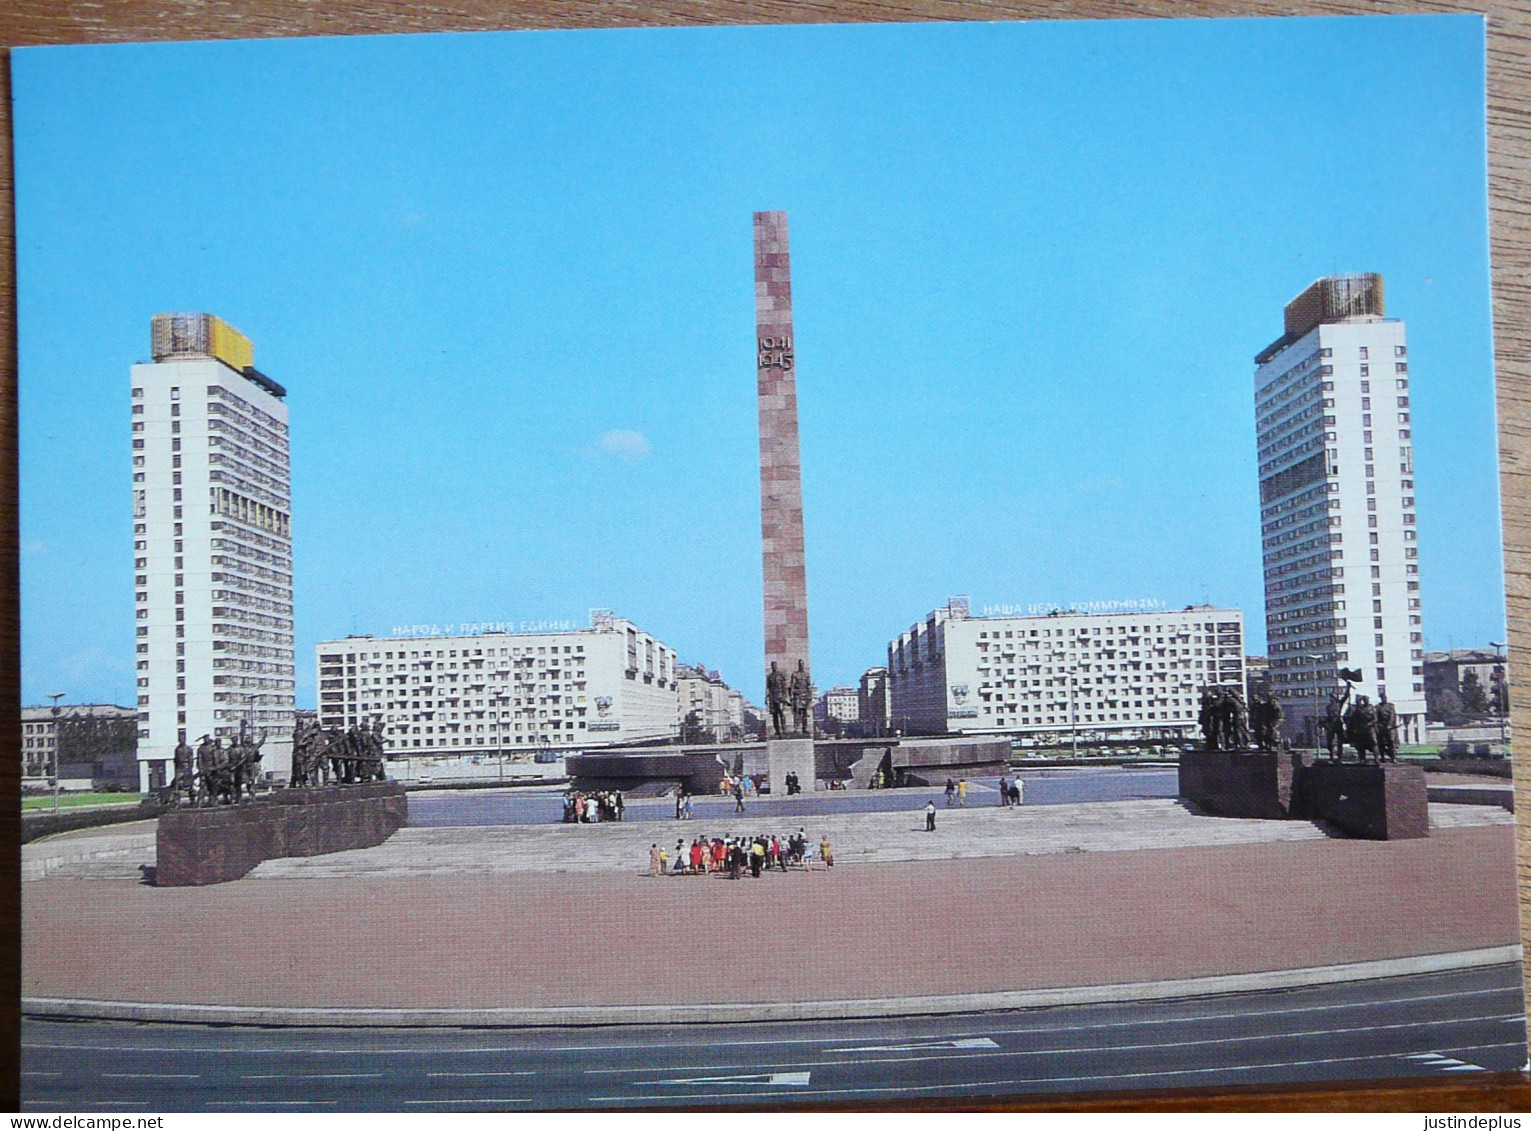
1032,265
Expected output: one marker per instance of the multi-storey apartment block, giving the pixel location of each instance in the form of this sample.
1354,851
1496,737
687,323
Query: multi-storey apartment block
1337,505
503,692
212,545
1090,676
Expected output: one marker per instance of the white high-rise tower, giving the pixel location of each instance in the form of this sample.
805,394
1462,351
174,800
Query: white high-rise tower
1337,514
212,546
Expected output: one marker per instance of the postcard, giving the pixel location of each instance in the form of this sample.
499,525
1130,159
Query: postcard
760,566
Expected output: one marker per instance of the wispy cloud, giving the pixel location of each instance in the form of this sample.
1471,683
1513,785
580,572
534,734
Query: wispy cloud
627,446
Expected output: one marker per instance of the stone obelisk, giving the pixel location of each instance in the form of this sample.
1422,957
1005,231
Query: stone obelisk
781,506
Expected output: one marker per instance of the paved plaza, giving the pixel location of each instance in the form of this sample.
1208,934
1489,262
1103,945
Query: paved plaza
878,837
557,915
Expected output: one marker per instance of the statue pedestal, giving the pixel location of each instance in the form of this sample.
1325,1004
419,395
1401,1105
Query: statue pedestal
789,756
224,842
1378,802
1239,783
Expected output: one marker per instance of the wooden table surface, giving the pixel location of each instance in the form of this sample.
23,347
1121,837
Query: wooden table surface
26,22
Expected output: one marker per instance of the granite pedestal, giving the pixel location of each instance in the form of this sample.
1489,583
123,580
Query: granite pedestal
789,756
1379,802
1238,783
220,843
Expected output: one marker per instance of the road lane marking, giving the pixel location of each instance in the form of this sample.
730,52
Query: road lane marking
491,1100
316,1076
151,1075
1136,1023
1063,1050
1444,1063
959,1043
1011,1084
523,1072
754,1079
1142,1022
272,1103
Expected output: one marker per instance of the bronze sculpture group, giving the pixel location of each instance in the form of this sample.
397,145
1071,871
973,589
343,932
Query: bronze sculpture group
218,774
326,757
1372,731
783,692
1224,725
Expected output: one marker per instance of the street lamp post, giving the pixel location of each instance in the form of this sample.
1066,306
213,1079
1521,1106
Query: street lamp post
1070,673
55,696
1318,691
1498,646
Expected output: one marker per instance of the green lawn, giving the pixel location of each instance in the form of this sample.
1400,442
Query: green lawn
74,800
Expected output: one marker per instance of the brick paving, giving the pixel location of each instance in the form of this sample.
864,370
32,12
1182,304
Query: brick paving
911,927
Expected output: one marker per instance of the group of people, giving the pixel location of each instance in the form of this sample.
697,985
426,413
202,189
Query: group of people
1010,791
734,856
581,808
956,793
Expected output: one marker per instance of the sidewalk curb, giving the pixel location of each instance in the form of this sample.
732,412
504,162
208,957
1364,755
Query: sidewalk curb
734,1012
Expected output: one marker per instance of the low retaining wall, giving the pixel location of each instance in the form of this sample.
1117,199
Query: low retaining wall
35,824
210,846
1379,802
1500,795
698,774
931,761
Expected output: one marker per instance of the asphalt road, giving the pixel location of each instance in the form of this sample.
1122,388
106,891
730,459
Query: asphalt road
1043,787
1460,1022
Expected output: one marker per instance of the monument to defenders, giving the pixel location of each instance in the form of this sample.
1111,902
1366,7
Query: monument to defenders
789,688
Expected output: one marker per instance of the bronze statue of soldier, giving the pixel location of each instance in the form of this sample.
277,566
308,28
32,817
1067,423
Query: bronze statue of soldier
1387,730
776,699
1333,724
801,692
1361,727
208,761
1207,718
185,771
1265,720
1235,721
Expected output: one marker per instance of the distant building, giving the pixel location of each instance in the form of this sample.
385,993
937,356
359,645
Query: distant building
94,742
839,706
516,693
212,544
708,709
875,708
1097,676
1257,677
1337,505
1450,679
